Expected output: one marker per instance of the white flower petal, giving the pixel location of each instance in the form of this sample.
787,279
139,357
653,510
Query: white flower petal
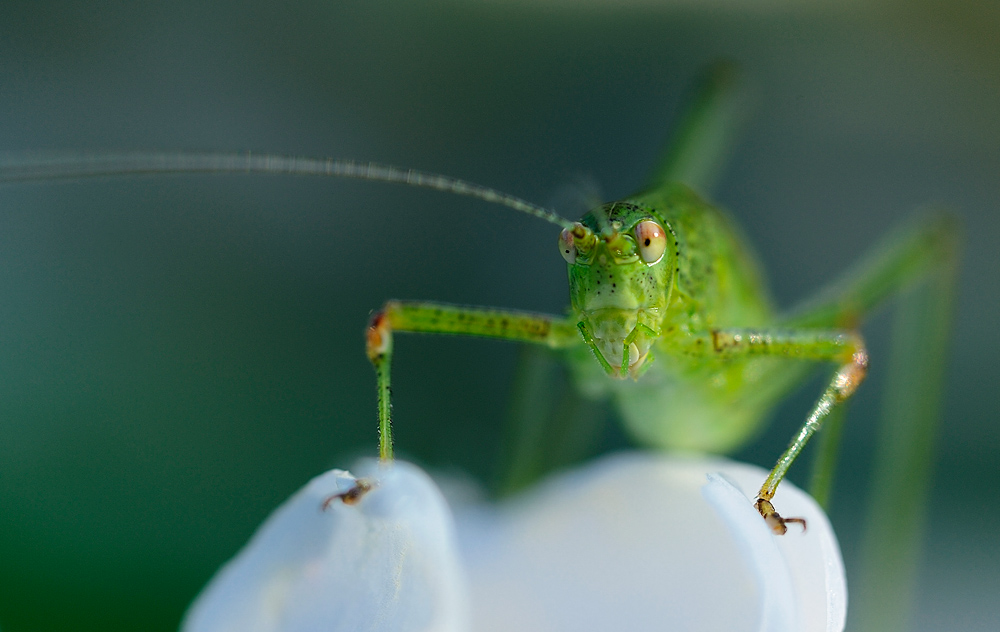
631,543
809,564
387,562
636,542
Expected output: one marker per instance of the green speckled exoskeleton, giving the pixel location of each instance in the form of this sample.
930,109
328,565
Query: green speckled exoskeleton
670,317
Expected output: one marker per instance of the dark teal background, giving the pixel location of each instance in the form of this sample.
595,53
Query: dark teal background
179,354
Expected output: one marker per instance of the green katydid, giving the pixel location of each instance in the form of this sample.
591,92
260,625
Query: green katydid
661,275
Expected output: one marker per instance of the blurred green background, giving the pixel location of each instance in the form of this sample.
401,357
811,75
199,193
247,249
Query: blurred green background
179,354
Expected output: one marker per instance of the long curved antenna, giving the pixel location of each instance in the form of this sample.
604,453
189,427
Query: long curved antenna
34,167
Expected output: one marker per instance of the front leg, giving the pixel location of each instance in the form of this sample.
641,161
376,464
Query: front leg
438,318
843,347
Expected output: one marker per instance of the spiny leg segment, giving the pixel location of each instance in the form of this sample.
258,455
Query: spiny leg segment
423,317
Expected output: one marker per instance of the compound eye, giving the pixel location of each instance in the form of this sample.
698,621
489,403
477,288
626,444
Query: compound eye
567,246
651,239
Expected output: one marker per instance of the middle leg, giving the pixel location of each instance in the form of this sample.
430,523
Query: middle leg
846,348
424,317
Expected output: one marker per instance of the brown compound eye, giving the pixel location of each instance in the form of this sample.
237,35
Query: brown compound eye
651,239
567,246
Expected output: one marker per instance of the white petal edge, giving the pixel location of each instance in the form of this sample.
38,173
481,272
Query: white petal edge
810,560
387,562
630,542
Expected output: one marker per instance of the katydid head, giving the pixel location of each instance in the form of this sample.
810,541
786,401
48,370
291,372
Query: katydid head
620,276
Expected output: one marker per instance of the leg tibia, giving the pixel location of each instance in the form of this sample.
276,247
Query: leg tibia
706,134
844,383
926,243
551,331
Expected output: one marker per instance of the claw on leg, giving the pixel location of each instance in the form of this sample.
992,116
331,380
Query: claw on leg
351,496
774,520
